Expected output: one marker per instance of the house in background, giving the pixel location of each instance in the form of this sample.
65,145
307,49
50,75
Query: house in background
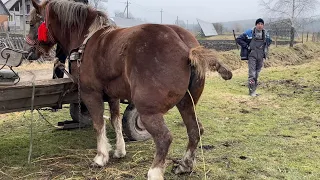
16,16
4,16
125,23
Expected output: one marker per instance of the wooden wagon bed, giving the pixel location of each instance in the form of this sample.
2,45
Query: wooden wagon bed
48,92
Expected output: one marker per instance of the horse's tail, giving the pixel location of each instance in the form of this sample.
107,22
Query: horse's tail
203,59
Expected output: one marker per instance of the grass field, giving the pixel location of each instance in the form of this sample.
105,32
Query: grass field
273,136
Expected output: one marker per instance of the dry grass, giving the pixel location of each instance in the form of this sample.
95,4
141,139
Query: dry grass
278,56
29,66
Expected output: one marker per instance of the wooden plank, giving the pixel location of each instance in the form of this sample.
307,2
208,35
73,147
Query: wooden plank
47,94
44,87
21,42
40,83
39,102
18,93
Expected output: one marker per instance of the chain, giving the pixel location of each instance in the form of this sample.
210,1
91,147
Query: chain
79,93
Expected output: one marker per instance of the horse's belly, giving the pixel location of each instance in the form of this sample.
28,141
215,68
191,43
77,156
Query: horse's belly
117,89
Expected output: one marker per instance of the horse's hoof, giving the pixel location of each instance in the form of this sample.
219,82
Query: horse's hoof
101,160
155,174
95,165
181,169
119,154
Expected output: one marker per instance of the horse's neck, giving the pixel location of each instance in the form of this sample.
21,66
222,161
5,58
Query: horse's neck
76,41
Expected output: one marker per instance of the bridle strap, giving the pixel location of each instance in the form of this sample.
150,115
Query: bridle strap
35,44
50,37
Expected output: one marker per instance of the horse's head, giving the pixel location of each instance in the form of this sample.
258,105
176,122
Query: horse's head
36,46
65,22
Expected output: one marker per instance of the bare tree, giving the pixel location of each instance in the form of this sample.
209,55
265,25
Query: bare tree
219,27
98,3
238,27
124,15
180,23
292,10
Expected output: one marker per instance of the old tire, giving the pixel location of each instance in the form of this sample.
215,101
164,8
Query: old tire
132,125
85,117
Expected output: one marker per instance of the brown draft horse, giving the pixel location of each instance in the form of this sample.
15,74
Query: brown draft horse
151,65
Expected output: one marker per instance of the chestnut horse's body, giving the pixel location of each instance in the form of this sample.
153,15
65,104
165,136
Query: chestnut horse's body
151,65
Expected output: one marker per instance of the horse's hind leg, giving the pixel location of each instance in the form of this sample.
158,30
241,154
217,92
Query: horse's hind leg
162,138
94,103
186,109
120,150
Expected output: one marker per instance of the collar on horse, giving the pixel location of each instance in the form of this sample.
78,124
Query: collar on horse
77,53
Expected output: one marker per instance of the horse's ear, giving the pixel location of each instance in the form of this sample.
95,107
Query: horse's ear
36,5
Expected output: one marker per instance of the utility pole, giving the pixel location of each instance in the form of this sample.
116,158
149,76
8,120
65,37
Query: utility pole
161,15
193,30
127,9
24,17
292,23
187,25
178,20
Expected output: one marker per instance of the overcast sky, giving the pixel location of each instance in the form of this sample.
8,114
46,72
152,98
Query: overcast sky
208,10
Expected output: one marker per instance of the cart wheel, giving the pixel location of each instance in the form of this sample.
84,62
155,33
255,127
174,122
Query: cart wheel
85,117
132,125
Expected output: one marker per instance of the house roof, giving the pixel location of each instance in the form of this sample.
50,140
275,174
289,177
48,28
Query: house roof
124,23
3,9
10,3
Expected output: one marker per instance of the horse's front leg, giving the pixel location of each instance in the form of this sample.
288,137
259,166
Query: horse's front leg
94,102
120,150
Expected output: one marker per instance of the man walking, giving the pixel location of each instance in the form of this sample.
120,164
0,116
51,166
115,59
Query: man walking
254,48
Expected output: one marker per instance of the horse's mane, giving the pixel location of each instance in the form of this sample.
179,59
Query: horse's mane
33,14
74,14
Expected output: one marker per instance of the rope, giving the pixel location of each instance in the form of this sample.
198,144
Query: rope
201,145
31,123
42,116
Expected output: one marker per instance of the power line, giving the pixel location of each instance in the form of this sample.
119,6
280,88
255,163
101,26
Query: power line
143,7
126,8
162,13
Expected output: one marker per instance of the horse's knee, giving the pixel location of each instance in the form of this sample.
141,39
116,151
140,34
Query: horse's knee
168,138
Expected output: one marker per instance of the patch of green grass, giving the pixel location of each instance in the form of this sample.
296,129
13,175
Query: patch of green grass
273,136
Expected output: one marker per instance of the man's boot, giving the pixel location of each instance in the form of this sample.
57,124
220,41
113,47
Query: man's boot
252,88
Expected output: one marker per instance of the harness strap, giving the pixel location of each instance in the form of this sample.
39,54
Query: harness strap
76,54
